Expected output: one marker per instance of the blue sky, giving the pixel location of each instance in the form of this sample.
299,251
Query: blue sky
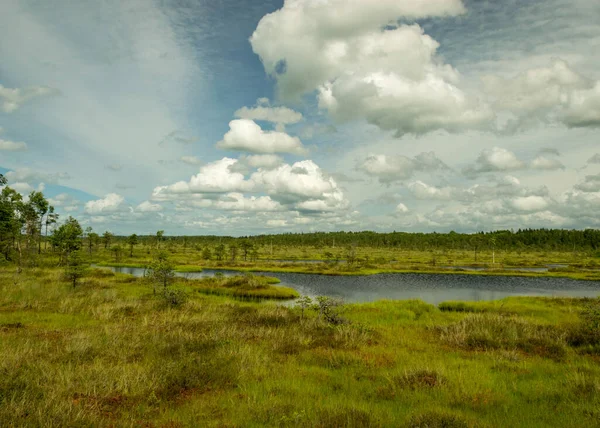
244,117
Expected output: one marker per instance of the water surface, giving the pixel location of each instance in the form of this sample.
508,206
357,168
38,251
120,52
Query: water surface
432,288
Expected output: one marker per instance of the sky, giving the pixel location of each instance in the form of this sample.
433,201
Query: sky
243,117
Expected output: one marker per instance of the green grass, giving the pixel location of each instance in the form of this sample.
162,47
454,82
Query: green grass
109,353
179,268
246,287
372,260
344,270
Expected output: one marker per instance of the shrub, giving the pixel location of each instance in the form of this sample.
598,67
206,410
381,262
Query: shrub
174,297
591,318
330,309
587,332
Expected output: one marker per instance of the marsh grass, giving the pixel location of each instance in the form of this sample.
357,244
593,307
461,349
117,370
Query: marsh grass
440,419
497,331
374,260
245,287
585,335
109,353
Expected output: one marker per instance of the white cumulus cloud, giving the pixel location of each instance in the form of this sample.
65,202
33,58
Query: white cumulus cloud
247,136
214,177
401,209
495,160
238,202
545,163
22,188
395,168
555,93
301,180
424,191
111,203
149,207
530,203
12,146
302,186
366,66
583,108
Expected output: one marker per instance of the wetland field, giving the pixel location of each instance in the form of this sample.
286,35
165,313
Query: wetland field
215,346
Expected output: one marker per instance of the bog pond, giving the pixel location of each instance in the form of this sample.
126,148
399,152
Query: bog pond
431,288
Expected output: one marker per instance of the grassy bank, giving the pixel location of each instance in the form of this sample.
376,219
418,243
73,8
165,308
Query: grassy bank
373,260
246,286
342,270
109,353
143,265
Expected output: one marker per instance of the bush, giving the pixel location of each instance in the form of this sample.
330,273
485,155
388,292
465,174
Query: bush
587,332
174,298
591,318
330,310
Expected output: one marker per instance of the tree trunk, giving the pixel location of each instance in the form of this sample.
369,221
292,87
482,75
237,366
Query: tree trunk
19,269
46,236
40,236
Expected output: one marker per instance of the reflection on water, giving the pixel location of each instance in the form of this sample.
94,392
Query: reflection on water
432,288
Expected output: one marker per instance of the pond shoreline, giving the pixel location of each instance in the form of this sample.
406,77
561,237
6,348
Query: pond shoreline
432,288
309,268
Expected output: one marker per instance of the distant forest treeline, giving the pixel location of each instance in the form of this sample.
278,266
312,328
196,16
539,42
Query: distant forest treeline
543,239
27,223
